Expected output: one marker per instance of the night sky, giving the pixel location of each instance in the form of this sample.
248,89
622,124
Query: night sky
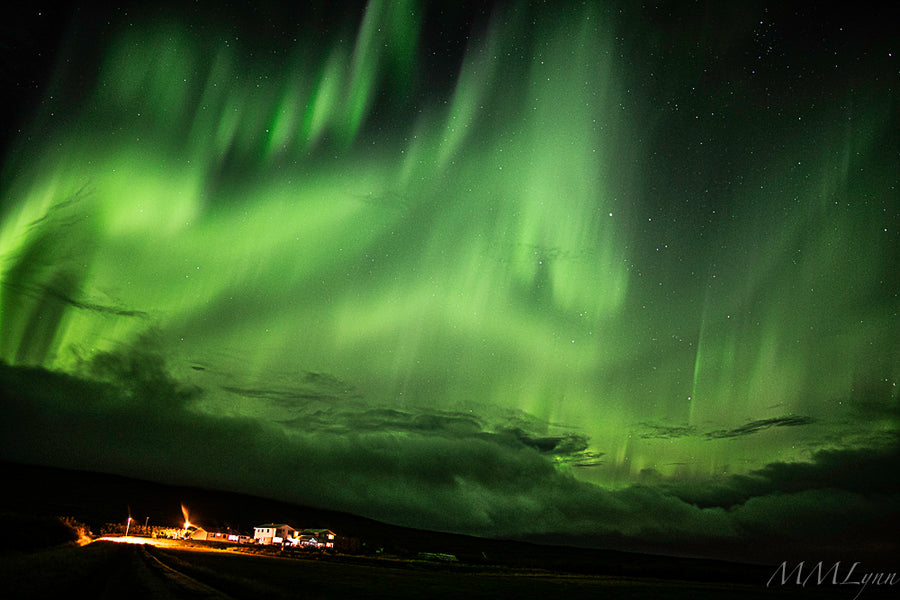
622,271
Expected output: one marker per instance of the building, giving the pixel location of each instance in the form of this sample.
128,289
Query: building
324,537
194,532
274,533
226,535
197,533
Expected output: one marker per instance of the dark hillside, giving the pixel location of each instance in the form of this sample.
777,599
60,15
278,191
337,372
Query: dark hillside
96,499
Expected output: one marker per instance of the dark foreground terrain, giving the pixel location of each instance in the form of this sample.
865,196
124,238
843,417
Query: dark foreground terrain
107,569
44,556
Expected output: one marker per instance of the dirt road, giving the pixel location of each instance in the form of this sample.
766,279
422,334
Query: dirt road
104,570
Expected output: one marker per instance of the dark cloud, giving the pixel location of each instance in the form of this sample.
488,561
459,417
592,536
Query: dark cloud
861,471
286,396
447,421
583,460
298,391
51,293
665,432
567,444
358,417
139,377
650,431
570,449
99,308
757,426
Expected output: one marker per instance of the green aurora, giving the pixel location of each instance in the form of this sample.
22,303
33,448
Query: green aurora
588,238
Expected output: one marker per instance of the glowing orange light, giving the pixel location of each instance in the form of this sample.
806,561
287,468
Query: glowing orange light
187,519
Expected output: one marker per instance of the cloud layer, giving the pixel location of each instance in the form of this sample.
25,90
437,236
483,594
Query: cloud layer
446,471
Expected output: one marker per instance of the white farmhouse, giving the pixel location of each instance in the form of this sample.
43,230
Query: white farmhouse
273,533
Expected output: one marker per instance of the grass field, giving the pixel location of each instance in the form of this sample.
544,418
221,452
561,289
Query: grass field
110,570
248,576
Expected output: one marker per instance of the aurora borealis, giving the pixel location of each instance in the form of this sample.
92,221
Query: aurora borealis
600,269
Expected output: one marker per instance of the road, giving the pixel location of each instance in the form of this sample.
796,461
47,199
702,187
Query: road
145,576
109,568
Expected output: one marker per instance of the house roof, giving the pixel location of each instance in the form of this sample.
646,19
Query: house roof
224,531
317,531
274,525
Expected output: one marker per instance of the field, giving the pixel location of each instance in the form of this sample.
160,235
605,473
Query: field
113,569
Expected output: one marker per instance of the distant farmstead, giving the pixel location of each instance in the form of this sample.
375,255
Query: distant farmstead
282,533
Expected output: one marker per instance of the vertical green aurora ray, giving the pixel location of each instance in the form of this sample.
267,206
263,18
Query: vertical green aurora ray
473,86
824,253
387,36
488,253
698,361
323,98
